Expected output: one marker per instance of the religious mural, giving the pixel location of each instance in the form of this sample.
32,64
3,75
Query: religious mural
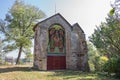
56,39
59,45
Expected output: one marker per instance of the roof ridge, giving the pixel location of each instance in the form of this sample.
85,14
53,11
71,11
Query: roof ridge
51,17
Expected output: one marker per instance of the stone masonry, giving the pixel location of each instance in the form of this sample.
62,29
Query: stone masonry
76,48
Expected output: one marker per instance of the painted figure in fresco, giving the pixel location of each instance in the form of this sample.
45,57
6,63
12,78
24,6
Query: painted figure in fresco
61,40
56,39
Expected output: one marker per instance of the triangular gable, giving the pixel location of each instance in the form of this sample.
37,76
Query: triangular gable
77,25
58,14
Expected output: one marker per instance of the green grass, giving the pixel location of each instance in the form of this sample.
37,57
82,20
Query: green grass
25,73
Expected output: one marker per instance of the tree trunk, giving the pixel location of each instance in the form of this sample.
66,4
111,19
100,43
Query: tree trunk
19,54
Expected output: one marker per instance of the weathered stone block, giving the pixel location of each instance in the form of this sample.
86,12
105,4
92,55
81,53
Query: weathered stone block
72,38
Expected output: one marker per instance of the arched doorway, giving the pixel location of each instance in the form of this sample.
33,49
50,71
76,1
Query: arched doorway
56,58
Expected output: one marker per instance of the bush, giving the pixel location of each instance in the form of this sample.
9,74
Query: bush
96,63
100,62
113,66
92,66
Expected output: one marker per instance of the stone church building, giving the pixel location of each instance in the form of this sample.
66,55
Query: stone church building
58,45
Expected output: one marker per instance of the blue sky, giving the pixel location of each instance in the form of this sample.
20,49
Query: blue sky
4,5
47,6
88,13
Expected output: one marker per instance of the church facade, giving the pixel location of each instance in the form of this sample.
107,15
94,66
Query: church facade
59,45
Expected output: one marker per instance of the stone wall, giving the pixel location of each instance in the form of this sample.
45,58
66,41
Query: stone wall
79,49
39,49
76,48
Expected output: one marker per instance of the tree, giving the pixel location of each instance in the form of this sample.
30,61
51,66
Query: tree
1,51
29,57
113,66
92,56
106,37
115,11
96,60
18,25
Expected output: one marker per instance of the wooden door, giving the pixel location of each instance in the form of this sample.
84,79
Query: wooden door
56,62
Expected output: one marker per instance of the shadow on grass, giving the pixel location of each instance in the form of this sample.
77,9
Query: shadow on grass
71,73
64,74
79,75
11,69
75,75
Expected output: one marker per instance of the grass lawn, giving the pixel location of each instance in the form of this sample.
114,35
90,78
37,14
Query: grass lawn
23,72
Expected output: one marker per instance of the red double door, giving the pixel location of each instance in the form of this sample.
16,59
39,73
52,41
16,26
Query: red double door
56,62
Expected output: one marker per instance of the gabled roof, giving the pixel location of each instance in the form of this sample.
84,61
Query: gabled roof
76,24
58,14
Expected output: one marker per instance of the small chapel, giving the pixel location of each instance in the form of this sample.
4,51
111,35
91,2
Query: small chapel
58,45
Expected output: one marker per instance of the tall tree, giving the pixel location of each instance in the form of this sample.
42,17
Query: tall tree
18,26
106,37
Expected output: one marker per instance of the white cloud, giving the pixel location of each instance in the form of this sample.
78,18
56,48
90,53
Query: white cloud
87,13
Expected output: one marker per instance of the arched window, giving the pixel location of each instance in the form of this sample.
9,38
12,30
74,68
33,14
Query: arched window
56,42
